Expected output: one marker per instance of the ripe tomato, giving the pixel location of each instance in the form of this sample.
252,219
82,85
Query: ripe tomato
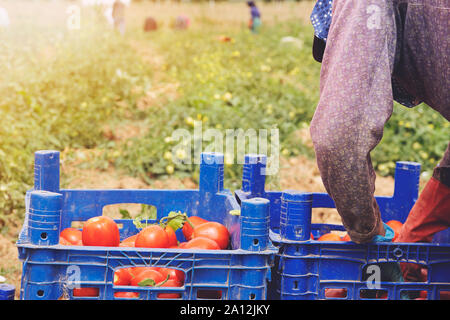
127,294
135,271
214,231
312,236
329,237
64,242
172,236
86,292
187,229
170,283
182,245
72,235
346,238
173,274
101,231
201,243
396,226
152,236
147,274
128,242
335,293
122,277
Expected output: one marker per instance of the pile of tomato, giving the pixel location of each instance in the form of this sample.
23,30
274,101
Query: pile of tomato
104,231
394,224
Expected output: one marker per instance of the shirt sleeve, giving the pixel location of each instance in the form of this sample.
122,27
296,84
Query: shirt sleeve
355,103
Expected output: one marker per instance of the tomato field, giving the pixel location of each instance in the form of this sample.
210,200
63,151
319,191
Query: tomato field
110,102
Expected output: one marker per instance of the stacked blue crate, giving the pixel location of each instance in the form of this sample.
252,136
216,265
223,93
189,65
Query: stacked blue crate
305,268
52,270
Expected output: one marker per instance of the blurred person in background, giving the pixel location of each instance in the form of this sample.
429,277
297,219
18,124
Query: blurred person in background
118,14
373,53
4,18
182,22
255,17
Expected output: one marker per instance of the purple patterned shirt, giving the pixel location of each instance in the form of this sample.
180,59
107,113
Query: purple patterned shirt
370,44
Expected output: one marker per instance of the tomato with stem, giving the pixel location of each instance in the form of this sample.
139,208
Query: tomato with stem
153,236
190,225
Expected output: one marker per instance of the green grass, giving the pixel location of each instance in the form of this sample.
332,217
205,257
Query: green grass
59,89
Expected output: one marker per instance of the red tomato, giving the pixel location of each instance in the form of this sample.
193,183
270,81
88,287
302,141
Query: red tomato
86,292
346,238
423,294
214,231
170,283
72,235
152,236
182,245
147,274
187,229
128,242
396,226
174,274
122,277
329,237
135,271
64,242
101,231
335,293
201,243
172,236
312,236
132,295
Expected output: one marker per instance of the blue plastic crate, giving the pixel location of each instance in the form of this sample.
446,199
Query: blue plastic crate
305,268
51,270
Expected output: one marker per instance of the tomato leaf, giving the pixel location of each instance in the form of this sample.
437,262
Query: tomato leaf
147,283
175,220
125,214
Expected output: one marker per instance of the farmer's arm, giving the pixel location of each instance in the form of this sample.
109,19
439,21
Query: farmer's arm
355,103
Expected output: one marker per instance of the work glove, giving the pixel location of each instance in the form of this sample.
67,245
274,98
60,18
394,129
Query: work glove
390,271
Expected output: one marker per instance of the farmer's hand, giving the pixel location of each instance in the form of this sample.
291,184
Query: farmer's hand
391,271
